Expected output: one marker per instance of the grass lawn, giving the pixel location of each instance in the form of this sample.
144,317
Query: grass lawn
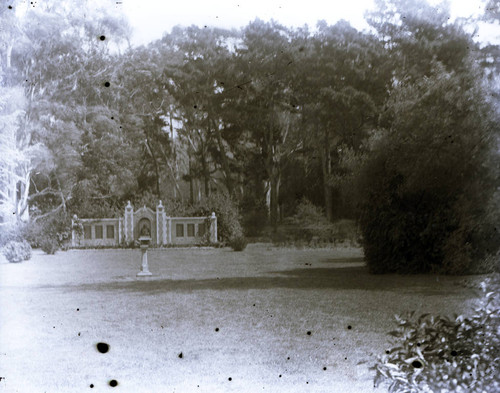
240,320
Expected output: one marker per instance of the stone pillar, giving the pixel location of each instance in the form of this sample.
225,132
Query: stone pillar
213,228
129,223
164,229
169,219
160,217
120,231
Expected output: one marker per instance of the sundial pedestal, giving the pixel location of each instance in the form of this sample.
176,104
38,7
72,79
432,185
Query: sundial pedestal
144,240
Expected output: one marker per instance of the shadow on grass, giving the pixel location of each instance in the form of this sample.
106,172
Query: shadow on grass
335,278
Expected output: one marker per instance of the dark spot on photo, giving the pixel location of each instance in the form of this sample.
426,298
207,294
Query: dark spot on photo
180,355
417,364
102,347
9,7
349,327
195,106
288,358
91,386
79,333
454,353
102,38
309,332
387,352
230,379
107,84
279,376
324,368
113,383
77,309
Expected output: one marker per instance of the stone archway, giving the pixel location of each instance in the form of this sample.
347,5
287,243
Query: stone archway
145,218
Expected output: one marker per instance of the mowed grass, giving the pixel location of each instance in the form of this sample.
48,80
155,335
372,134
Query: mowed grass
263,320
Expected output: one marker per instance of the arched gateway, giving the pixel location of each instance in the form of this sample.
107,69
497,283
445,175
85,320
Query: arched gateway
162,229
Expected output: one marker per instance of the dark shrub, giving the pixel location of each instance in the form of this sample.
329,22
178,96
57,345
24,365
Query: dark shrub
16,251
428,191
439,354
228,218
238,243
49,245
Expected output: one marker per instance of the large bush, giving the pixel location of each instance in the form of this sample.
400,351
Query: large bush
439,354
17,251
50,233
428,189
228,218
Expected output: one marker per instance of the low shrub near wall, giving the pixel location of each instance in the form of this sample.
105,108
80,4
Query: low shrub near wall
238,243
439,354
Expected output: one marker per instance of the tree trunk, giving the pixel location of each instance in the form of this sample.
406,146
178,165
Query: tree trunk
157,170
191,190
225,164
274,204
326,166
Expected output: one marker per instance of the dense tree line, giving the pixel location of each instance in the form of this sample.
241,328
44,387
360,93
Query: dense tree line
390,127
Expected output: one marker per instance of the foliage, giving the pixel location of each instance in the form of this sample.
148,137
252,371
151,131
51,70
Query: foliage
17,251
428,189
50,232
439,354
238,243
228,218
12,232
310,224
49,245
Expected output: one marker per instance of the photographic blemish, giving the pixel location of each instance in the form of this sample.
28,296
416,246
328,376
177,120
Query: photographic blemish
387,352
230,379
309,333
9,7
324,368
77,309
196,106
349,327
416,364
113,383
279,376
102,38
180,355
288,358
107,84
345,359
454,353
216,329
112,118
78,334
254,305
91,386
102,347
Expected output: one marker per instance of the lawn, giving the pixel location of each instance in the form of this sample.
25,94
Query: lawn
263,320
